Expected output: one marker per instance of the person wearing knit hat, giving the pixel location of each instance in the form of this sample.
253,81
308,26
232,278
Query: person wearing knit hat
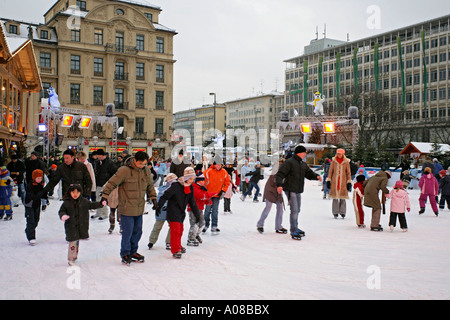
34,193
161,218
6,183
399,200
444,185
372,186
339,182
177,197
290,178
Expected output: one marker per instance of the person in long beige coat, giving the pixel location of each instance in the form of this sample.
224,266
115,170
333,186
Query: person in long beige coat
339,182
372,186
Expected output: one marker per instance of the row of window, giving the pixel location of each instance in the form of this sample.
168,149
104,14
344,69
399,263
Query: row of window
119,41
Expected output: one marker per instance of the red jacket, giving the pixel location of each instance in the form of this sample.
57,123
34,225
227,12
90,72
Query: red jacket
202,196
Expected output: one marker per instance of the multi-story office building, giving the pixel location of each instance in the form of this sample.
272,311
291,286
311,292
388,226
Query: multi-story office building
406,69
256,112
97,52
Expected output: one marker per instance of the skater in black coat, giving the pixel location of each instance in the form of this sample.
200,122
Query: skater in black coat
75,213
178,196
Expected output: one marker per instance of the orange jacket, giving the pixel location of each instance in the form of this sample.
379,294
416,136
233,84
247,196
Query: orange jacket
216,180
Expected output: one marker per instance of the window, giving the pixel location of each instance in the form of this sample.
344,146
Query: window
119,42
75,35
139,42
159,73
159,126
74,93
119,95
44,34
81,5
98,67
75,64
139,97
44,92
120,12
12,28
45,60
442,93
159,103
149,16
120,71
442,74
98,95
139,127
160,45
140,68
417,79
98,36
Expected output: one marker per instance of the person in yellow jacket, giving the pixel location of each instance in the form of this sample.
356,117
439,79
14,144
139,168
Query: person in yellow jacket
217,181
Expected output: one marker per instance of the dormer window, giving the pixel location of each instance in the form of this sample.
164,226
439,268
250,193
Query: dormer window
149,16
13,29
81,5
44,34
120,12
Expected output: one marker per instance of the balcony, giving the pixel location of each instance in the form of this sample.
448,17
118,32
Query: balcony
110,47
140,136
121,105
160,136
121,76
46,70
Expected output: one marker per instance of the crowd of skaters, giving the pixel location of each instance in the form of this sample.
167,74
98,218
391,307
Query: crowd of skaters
96,183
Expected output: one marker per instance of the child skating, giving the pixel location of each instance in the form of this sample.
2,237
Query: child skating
74,212
358,200
33,195
429,188
399,200
6,188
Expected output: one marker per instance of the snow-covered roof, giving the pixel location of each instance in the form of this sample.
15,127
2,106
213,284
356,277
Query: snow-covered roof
22,34
425,147
142,3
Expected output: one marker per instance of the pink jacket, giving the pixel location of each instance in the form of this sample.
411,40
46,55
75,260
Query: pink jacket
399,199
429,185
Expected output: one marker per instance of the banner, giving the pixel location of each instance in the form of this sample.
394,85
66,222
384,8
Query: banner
338,80
400,59
425,74
377,71
355,77
305,86
320,75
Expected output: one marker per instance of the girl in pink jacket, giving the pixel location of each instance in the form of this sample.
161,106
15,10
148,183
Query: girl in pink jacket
429,188
399,200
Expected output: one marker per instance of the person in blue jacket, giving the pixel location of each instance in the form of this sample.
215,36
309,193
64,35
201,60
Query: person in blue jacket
6,187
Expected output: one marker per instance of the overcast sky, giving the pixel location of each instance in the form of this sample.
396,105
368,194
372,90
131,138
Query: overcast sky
236,48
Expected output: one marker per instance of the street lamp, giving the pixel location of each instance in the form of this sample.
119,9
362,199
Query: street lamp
214,107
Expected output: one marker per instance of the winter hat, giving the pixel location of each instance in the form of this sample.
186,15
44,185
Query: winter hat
399,184
299,149
187,174
101,152
170,177
442,172
69,152
36,174
340,151
54,166
360,178
3,171
389,173
200,177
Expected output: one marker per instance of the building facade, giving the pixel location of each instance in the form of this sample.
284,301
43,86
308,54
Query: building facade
256,112
19,78
101,51
405,69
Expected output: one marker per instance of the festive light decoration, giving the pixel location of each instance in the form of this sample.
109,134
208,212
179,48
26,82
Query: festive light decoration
67,121
85,122
329,127
306,127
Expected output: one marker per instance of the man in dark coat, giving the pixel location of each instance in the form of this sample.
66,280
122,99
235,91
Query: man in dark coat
71,172
291,178
17,170
104,169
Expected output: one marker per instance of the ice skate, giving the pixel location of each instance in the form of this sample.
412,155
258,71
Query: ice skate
260,230
126,260
193,243
177,255
137,258
281,231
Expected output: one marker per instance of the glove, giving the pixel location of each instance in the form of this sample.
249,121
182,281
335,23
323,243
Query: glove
409,209
329,184
64,218
221,194
155,204
158,212
349,186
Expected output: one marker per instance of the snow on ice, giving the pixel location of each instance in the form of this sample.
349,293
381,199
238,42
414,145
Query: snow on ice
335,260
